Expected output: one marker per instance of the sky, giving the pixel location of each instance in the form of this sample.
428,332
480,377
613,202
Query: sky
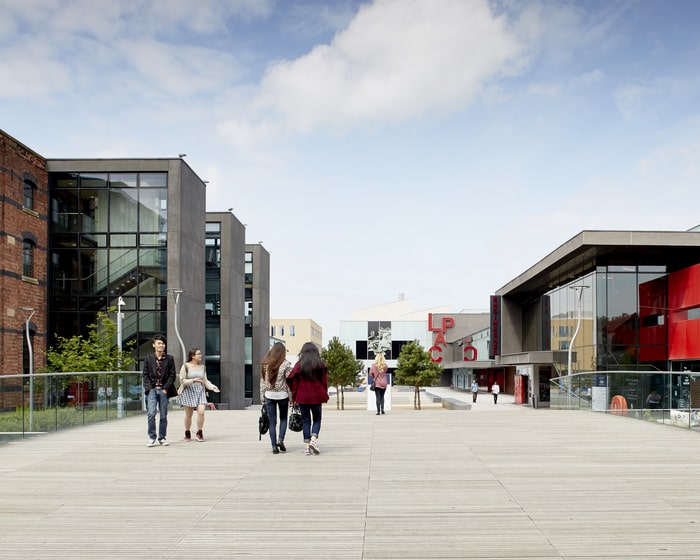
431,148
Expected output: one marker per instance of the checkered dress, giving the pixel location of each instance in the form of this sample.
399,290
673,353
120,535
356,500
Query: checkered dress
194,394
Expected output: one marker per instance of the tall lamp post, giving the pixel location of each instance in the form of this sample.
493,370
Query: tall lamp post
28,314
579,300
176,292
120,336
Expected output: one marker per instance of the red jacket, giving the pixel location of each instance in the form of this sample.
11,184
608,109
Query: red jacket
308,392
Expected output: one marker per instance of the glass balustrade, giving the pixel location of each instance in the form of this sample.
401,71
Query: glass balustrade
49,402
664,397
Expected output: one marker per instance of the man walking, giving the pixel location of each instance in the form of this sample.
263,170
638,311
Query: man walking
159,385
495,389
475,390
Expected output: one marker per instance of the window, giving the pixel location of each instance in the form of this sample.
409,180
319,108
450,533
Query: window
28,258
29,192
272,330
281,330
292,330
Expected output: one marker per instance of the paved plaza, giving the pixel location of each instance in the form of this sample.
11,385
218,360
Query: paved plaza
494,482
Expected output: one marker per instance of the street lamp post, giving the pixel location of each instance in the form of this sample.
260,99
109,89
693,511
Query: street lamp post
176,292
579,299
28,314
120,335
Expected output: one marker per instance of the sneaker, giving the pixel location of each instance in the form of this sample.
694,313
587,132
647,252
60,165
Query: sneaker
200,435
307,451
151,443
188,435
163,442
314,446
281,447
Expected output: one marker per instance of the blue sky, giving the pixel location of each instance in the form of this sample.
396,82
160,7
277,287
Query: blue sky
434,148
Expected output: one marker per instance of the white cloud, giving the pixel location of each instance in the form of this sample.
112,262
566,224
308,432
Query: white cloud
397,60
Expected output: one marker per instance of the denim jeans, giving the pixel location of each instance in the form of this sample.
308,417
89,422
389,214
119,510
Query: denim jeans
310,427
156,398
379,398
271,406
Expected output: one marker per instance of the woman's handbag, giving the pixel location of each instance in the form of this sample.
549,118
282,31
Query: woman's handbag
263,422
371,387
294,422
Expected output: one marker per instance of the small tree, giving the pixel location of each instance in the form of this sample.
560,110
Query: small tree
342,368
99,352
415,368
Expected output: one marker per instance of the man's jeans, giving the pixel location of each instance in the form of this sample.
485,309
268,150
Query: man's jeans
157,398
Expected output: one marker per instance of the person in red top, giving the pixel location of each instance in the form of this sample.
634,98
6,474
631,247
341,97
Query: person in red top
308,382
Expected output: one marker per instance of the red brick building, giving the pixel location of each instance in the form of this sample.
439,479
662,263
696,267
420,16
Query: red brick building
23,262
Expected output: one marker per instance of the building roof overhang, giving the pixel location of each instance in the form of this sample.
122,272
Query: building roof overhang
587,250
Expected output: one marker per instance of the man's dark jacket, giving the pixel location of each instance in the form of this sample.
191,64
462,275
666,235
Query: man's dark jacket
168,374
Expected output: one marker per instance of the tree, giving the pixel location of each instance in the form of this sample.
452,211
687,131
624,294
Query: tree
342,368
98,352
414,367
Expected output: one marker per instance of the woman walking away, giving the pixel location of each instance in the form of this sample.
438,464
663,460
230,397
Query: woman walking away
308,382
193,391
378,373
275,393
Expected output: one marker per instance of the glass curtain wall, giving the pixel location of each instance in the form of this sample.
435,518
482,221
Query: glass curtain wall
622,320
567,312
212,306
248,325
108,238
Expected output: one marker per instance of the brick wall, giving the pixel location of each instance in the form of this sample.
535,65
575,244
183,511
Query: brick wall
17,164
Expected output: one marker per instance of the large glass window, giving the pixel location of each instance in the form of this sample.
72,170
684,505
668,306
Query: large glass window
123,210
108,238
572,323
153,210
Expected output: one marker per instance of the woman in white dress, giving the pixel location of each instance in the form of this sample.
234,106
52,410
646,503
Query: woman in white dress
193,391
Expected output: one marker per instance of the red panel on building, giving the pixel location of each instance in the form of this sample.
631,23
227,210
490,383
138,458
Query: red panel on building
683,328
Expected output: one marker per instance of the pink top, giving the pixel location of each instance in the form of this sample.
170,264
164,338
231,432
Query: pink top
379,377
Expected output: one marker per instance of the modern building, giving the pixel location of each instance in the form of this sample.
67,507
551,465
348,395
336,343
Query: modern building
295,332
386,328
130,228
460,343
79,234
257,316
225,308
604,300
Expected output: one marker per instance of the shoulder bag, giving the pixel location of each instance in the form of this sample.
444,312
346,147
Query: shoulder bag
294,422
263,422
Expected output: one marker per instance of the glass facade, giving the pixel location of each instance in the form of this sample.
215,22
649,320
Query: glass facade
108,238
621,319
212,306
248,270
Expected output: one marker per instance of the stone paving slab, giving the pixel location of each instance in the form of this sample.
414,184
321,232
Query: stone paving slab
494,482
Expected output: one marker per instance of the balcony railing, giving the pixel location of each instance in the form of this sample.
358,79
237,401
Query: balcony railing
664,397
48,402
